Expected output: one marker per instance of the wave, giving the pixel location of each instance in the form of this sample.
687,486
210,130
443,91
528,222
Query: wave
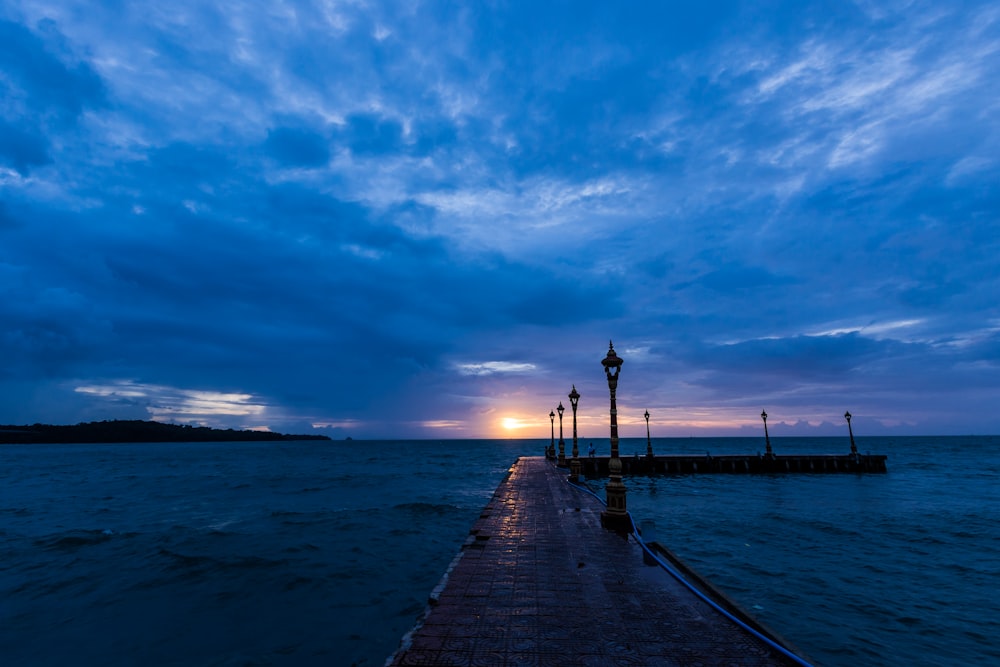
420,508
203,564
16,511
72,540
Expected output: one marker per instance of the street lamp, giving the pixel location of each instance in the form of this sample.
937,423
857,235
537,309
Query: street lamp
767,439
574,465
649,443
551,453
562,445
854,448
616,516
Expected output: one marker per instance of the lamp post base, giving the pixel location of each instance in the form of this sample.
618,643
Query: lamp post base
616,517
574,470
616,521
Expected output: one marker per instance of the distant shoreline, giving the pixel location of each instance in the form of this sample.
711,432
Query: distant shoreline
136,431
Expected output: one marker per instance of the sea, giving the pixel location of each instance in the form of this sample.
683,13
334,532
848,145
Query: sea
324,553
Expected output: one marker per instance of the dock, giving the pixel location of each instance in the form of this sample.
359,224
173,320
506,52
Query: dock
593,467
539,581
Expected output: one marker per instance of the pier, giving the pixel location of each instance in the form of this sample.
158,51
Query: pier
593,467
540,581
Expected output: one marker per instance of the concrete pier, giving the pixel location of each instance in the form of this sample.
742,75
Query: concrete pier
540,582
597,466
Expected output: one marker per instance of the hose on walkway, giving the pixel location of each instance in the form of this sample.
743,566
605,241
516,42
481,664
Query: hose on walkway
680,578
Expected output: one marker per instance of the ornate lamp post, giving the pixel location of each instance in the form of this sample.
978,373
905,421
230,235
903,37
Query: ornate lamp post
649,443
551,453
616,516
767,439
562,445
574,465
854,448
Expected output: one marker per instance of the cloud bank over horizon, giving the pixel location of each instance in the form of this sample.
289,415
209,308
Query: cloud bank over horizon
427,219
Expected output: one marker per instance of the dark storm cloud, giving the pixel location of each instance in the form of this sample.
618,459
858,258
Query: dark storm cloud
43,87
810,358
731,279
294,146
7,219
368,134
22,150
38,76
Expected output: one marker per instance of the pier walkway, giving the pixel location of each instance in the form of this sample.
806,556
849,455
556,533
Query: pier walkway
541,582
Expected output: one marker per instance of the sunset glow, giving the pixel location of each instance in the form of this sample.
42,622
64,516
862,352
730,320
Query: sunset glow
512,423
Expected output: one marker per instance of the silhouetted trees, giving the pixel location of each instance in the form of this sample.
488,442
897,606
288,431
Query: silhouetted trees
136,431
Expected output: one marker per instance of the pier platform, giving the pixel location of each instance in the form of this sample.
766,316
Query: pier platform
540,582
597,466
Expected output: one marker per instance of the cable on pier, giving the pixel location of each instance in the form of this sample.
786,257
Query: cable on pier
680,577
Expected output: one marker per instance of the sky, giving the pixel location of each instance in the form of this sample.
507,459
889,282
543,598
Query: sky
428,219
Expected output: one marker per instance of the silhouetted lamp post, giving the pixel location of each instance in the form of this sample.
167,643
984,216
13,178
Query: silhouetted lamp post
616,516
574,465
649,443
551,454
767,439
562,444
854,448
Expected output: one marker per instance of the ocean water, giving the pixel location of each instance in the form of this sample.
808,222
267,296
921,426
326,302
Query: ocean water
323,553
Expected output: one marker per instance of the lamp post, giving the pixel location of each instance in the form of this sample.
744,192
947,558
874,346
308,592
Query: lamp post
562,445
767,439
616,516
551,453
854,448
574,465
649,443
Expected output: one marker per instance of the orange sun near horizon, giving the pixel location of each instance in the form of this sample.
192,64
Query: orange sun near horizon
512,423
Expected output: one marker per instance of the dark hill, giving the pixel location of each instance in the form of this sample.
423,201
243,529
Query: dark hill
136,431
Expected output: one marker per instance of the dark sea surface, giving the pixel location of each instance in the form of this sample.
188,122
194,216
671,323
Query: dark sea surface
323,553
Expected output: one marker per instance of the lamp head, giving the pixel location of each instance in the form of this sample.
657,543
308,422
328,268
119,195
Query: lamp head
560,409
612,361
763,415
574,397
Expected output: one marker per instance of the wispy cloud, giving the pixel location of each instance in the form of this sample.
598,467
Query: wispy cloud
165,403
494,367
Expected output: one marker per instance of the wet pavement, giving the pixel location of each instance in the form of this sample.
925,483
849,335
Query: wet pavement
540,582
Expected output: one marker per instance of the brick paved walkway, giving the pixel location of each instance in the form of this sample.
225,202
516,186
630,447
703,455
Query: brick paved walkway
540,582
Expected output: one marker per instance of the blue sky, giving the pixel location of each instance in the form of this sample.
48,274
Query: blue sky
428,219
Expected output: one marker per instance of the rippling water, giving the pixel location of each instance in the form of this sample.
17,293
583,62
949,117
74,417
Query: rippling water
324,553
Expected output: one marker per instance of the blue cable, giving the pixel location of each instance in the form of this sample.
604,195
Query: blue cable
679,577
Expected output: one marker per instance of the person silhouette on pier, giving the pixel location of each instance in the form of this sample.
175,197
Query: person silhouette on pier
591,450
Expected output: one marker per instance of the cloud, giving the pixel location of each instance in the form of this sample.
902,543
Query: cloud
42,76
297,147
6,218
492,367
738,278
369,134
22,150
323,209
177,404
